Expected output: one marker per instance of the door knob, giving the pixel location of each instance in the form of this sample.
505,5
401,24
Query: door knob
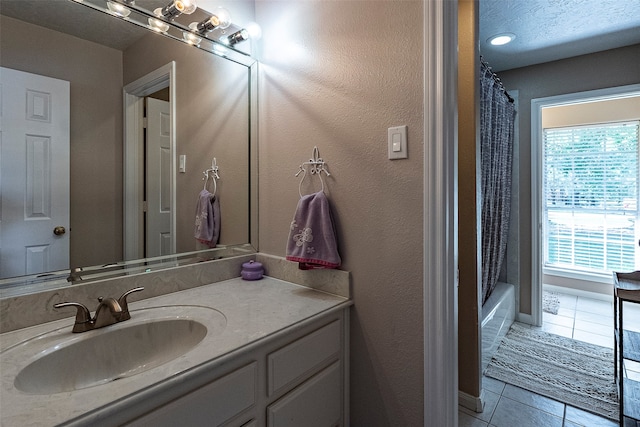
59,230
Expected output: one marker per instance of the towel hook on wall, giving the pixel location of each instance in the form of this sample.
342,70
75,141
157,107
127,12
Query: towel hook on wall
317,166
214,176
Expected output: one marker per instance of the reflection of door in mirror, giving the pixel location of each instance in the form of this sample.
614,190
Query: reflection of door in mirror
34,177
149,117
158,235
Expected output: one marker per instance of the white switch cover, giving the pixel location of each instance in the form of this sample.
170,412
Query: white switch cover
183,163
397,141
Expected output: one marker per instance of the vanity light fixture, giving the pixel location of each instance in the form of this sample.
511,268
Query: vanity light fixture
175,9
118,9
237,37
157,25
191,38
220,19
501,39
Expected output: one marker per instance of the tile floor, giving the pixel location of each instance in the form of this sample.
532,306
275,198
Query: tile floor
580,318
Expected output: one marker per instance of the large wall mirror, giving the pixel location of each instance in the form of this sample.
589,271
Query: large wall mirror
143,115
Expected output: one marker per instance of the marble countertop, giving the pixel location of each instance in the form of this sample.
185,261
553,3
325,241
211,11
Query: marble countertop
252,310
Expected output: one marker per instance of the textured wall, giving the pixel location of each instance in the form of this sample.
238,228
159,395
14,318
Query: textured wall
610,68
337,74
95,73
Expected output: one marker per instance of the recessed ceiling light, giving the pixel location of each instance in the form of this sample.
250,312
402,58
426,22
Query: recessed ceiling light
501,39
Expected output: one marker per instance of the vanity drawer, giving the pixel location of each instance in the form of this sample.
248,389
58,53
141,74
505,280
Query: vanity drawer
297,361
316,403
211,405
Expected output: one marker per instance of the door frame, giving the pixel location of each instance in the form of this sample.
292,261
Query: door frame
440,204
537,104
133,151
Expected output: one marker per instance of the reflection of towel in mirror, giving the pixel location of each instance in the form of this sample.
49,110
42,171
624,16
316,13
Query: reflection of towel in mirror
207,229
312,238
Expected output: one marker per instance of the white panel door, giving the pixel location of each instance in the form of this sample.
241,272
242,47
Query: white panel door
34,173
158,230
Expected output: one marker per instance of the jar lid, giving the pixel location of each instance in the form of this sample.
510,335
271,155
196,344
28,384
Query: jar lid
252,266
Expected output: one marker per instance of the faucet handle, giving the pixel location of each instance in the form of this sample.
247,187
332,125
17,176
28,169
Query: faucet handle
83,315
125,305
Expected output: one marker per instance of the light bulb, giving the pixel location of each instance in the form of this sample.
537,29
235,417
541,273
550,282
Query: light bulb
255,32
501,39
158,26
191,38
176,8
118,9
221,19
224,16
219,50
190,6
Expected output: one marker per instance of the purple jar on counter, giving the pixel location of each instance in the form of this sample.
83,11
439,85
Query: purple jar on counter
252,270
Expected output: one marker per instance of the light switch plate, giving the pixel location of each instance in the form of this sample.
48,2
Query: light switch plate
397,142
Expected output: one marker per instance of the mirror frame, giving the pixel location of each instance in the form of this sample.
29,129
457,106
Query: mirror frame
28,284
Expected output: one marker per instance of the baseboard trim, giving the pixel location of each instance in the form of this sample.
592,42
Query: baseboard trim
579,292
471,402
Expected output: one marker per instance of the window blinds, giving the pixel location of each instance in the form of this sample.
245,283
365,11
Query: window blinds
590,197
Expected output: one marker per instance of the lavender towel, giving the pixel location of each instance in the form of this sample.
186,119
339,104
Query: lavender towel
312,239
207,229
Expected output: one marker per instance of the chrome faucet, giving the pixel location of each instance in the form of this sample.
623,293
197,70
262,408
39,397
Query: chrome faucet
108,312
75,275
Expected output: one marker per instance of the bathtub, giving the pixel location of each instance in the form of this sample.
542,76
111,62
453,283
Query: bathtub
498,313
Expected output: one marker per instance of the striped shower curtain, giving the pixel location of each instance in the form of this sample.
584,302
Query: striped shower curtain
497,117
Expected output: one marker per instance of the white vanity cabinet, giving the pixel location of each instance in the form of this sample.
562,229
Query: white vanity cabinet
295,377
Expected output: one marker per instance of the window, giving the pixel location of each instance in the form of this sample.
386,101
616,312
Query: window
590,198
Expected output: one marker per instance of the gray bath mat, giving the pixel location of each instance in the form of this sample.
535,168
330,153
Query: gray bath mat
574,372
550,302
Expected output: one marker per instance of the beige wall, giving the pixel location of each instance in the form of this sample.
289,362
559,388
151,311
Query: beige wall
611,68
613,110
95,75
337,75
212,117
469,204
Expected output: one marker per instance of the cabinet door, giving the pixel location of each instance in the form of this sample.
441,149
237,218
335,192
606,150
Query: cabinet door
296,362
315,403
211,405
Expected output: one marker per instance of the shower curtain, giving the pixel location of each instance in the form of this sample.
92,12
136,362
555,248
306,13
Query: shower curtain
497,117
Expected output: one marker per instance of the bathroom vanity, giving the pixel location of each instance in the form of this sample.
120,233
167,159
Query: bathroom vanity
244,353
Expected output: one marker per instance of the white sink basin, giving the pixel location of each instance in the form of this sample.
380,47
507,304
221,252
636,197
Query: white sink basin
66,362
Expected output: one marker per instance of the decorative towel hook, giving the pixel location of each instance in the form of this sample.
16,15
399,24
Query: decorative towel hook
215,176
214,168
317,166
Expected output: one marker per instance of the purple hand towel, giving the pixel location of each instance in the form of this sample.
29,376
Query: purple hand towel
312,239
207,229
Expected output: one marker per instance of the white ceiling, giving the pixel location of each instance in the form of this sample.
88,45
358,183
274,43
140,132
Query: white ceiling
548,30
